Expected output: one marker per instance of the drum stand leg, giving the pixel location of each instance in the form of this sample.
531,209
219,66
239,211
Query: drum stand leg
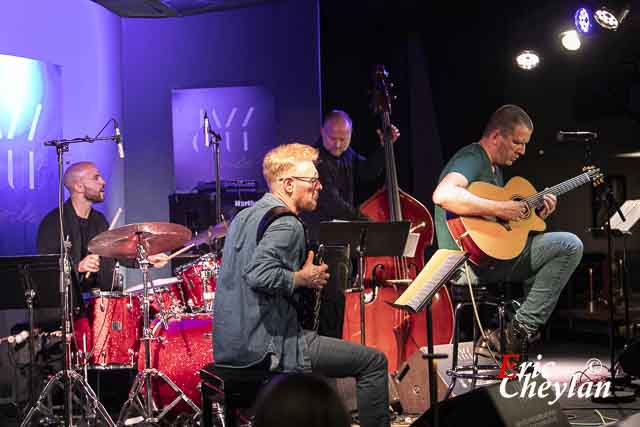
83,396
141,393
147,408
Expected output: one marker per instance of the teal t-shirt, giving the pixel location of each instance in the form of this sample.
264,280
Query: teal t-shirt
472,162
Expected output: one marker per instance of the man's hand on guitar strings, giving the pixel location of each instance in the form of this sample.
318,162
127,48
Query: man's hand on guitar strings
550,201
511,210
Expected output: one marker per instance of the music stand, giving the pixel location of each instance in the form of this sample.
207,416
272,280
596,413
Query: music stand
441,266
368,239
37,276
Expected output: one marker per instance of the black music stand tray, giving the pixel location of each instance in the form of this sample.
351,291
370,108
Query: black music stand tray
30,281
368,239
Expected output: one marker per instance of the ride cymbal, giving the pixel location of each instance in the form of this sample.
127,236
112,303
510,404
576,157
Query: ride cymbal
155,237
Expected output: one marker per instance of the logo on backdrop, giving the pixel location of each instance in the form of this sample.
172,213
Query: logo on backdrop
245,119
30,113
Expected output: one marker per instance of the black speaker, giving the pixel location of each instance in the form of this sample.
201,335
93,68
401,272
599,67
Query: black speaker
487,407
412,383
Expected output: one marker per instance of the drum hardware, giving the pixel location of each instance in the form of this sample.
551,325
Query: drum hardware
138,241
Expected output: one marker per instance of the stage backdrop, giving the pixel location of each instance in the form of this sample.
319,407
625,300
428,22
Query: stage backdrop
30,113
243,116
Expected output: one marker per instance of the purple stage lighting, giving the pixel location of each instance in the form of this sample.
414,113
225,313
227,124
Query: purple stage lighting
582,20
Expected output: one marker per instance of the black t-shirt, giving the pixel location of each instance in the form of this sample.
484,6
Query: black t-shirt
339,176
80,232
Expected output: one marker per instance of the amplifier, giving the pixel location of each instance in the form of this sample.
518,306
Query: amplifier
197,211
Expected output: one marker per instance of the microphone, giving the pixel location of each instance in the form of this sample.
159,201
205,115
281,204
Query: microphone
206,130
18,338
118,139
577,136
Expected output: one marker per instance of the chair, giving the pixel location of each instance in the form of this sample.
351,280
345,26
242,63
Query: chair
231,389
492,295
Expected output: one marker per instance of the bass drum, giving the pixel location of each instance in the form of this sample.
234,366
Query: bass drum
179,351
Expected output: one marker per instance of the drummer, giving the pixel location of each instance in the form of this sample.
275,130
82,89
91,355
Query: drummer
81,224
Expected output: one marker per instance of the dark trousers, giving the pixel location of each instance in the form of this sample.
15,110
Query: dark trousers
335,358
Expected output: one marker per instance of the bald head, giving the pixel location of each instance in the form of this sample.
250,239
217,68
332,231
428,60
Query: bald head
84,179
336,132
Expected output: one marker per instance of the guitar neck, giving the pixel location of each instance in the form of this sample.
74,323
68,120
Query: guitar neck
537,199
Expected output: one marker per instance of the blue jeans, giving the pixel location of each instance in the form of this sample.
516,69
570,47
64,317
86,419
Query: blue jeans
544,267
335,358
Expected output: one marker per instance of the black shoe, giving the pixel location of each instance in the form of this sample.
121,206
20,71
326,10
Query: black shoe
516,342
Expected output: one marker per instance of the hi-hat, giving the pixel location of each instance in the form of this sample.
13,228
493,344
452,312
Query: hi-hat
155,237
209,235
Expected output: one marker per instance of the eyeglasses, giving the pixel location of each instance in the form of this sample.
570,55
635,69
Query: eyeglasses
314,180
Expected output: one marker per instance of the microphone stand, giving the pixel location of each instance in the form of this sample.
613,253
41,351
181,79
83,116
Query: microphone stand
215,143
69,376
616,396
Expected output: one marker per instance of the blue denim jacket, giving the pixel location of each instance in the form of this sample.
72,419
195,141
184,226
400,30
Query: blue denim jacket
252,312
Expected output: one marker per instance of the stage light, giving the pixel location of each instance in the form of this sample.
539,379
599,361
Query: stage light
570,40
582,20
606,19
611,19
527,60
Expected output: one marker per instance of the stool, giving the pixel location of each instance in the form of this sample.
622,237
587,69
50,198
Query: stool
231,388
483,297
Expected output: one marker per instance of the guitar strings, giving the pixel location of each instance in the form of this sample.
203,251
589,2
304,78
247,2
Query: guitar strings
558,189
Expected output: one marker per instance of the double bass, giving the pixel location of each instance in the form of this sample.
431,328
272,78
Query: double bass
396,333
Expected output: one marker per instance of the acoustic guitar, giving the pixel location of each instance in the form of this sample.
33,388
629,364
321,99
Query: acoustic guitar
489,238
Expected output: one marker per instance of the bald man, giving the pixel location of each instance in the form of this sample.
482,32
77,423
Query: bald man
82,223
341,170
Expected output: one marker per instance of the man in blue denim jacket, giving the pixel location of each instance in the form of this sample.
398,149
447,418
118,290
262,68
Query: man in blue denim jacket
255,322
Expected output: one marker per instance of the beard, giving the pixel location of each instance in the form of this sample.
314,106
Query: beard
94,196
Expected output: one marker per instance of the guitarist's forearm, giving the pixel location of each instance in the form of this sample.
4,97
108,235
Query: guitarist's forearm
461,201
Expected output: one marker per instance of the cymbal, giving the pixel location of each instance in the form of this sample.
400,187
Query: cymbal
155,284
155,237
210,234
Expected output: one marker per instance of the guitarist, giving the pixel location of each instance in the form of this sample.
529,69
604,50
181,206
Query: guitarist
548,259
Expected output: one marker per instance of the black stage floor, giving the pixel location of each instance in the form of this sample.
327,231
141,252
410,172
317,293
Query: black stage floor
567,357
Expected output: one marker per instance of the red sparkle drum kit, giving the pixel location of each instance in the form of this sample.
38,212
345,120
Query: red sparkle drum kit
162,327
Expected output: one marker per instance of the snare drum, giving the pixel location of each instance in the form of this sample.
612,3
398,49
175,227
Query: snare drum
199,282
109,334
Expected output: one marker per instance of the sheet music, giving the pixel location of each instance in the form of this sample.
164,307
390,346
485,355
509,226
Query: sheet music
441,265
411,245
631,211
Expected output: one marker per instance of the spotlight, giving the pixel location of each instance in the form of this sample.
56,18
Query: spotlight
610,20
527,60
606,19
582,20
570,40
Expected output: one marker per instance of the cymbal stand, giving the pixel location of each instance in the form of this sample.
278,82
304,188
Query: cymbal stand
141,394
74,385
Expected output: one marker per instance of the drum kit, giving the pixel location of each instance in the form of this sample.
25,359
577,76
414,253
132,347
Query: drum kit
162,328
